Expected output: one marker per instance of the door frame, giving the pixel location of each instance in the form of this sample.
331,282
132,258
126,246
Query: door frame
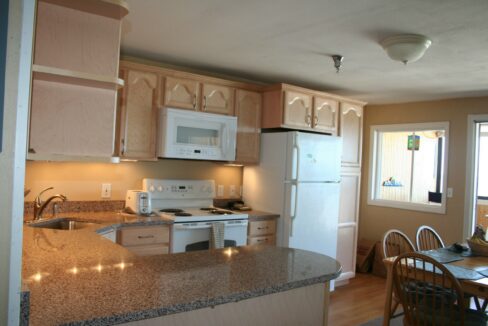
471,172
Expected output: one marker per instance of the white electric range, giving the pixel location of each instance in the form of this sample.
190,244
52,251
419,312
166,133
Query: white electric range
189,204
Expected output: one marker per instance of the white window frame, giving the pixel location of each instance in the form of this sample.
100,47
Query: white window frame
374,166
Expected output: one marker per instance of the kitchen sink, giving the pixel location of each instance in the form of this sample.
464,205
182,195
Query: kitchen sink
62,223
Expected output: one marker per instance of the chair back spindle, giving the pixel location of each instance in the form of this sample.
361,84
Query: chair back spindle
427,239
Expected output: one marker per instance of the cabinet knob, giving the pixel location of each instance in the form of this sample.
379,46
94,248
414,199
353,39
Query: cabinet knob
194,101
122,152
308,119
315,120
205,103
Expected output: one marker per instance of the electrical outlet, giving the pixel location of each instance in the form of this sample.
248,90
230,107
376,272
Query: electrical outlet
449,192
106,190
220,191
232,190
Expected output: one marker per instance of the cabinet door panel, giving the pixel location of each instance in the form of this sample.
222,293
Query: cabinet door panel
325,113
181,93
218,99
248,112
346,250
349,202
351,127
298,110
139,115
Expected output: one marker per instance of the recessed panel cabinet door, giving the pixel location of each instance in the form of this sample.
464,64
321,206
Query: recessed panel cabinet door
351,128
181,93
248,112
139,115
217,99
297,110
325,113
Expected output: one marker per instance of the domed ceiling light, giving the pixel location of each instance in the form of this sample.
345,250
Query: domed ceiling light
407,47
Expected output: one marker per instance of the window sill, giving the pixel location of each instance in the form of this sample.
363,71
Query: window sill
430,208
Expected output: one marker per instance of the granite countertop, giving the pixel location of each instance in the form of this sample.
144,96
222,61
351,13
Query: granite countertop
80,278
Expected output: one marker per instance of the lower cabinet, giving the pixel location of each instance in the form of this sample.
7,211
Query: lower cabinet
145,240
348,222
262,232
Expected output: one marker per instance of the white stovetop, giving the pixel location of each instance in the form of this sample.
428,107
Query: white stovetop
199,215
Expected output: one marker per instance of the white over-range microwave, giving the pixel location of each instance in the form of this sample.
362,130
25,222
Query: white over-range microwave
196,135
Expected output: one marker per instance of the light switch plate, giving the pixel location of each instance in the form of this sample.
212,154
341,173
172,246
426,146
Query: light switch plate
220,191
232,190
449,192
106,190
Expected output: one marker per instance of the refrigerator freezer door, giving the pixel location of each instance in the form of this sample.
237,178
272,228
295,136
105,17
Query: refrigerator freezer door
313,157
311,217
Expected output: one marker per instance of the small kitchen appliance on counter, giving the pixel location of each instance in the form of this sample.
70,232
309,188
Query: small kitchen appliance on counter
138,202
189,204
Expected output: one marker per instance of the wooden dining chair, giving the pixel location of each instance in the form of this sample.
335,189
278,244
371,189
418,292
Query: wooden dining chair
395,243
427,239
430,294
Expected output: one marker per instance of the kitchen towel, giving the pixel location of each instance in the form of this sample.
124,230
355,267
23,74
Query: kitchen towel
217,235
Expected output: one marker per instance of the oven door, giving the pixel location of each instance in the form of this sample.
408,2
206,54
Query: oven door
196,236
197,135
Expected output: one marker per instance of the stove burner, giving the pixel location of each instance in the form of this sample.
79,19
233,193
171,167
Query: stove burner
183,214
171,210
220,212
207,208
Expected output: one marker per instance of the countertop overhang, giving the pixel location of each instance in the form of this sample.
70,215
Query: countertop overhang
81,278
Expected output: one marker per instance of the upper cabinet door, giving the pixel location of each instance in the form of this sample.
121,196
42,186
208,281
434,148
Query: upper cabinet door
139,115
181,93
297,110
217,99
325,114
351,130
248,112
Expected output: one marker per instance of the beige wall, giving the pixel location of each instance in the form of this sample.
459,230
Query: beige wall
82,181
375,220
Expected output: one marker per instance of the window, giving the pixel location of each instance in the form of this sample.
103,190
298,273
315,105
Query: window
408,166
483,162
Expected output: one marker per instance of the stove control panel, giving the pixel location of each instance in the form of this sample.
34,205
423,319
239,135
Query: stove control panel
177,189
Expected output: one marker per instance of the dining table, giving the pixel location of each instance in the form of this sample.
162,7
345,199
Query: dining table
470,270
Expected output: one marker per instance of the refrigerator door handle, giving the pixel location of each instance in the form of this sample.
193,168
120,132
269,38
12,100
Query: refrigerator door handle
293,206
297,161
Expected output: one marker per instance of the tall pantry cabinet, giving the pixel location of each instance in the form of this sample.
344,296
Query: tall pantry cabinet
350,129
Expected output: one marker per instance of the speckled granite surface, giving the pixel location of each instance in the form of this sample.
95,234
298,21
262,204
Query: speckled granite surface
81,278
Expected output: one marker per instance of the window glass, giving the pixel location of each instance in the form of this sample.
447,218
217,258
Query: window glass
408,166
483,162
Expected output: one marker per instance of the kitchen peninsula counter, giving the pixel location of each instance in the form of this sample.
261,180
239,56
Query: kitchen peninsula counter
80,278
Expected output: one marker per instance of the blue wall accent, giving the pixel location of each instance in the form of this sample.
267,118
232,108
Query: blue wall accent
3,54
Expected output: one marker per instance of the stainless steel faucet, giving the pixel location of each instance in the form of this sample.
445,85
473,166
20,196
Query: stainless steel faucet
39,205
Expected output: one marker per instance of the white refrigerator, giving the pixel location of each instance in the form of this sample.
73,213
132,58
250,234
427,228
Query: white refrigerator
298,177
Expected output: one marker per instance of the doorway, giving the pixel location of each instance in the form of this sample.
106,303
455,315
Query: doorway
477,174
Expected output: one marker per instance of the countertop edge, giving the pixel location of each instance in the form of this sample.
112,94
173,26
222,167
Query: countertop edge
203,303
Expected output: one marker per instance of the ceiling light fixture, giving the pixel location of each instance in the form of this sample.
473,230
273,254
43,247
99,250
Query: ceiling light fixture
407,47
337,62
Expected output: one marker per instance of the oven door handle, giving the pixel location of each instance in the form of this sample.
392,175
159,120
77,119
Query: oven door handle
195,226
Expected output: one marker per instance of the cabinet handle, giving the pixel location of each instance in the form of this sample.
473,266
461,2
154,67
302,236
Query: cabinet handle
308,119
262,228
315,120
194,101
205,103
123,147
262,240
145,236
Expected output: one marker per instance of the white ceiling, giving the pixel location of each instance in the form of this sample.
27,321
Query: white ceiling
291,40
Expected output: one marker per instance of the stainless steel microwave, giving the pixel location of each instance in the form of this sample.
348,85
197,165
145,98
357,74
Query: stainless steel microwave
195,135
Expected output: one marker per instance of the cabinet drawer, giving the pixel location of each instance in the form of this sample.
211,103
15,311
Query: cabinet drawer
149,250
135,236
269,240
257,228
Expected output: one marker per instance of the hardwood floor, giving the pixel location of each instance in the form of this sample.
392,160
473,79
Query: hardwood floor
357,302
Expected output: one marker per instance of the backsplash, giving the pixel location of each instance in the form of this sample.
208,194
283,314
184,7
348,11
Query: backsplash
83,181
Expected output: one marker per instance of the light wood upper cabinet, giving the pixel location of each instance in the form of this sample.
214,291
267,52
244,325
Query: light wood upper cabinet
139,115
297,110
181,93
217,99
351,129
325,114
248,112
74,80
